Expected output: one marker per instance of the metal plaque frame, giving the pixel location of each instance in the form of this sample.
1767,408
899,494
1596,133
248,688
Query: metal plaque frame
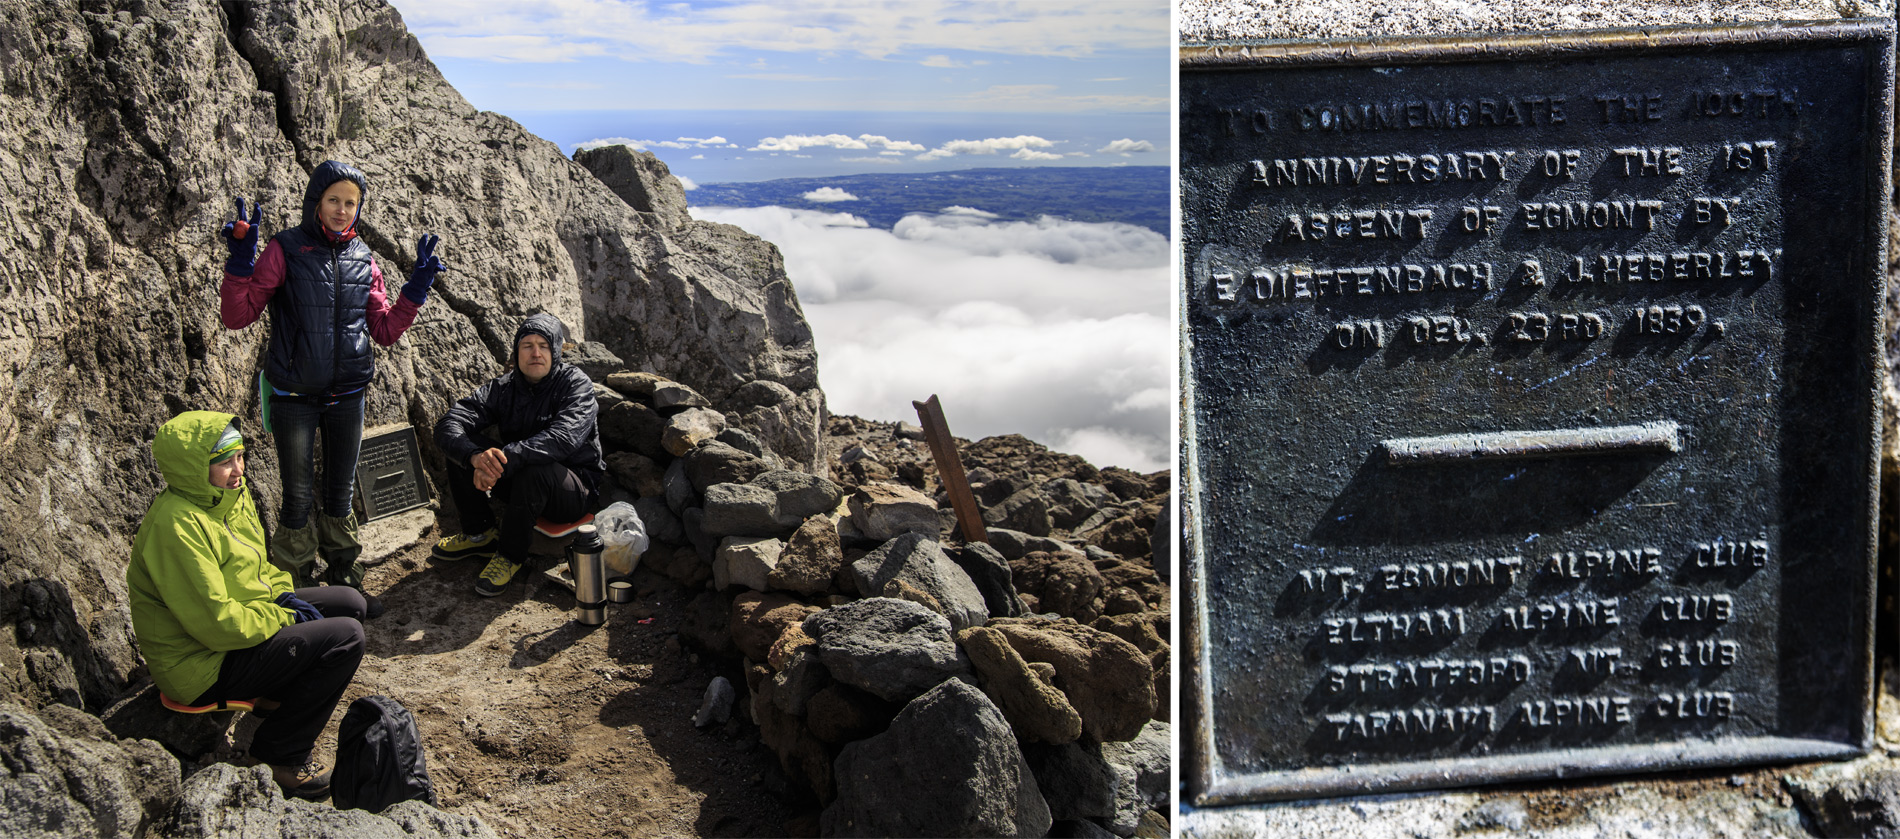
1530,420
389,478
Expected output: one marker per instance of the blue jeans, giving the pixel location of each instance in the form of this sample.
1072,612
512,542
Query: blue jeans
295,423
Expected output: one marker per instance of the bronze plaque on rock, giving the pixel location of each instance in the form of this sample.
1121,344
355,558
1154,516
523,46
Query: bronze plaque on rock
1530,403
389,477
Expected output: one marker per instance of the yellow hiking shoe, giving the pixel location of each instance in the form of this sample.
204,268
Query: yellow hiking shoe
462,546
495,577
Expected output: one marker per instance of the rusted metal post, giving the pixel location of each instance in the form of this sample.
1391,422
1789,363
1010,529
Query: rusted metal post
943,449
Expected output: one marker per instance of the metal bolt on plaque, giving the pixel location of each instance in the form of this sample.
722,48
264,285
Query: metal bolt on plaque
1529,386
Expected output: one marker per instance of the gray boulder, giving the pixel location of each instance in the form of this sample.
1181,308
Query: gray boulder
716,706
718,463
594,359
672,396
745,510
947,766
1074,779
661,524
1072,502
687,429
918,560
605,398
746,561
1025,510
223,801
811,558
680,492
895,649
78,782
1139,769
744,441
883,510
640,179
633,426
634,384
638,473
990,572
1015,544
799,494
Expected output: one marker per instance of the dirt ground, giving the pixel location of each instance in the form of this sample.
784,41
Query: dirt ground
545,727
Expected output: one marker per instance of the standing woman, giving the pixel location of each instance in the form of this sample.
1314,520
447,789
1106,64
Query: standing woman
327,302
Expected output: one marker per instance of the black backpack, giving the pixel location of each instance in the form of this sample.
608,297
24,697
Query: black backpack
378,758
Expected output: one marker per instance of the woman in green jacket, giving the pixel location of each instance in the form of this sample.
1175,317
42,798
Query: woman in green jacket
218,623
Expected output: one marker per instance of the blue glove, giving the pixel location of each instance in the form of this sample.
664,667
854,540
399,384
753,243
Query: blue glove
299,606
241,237
423,275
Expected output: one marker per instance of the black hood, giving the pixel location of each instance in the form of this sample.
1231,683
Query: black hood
546,326
327,173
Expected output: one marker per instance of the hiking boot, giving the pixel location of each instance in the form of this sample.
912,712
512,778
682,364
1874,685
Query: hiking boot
309,782
464,546
496,576
373,606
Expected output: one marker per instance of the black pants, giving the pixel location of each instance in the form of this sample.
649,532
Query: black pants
306,666
533,491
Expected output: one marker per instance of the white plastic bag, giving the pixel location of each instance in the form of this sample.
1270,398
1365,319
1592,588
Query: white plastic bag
624,536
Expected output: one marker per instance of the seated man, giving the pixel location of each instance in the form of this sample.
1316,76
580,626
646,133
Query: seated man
546,464
217,622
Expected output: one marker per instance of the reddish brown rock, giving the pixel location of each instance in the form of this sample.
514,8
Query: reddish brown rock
811,558
759,619
1108,680
840,713
1034,707
792,640
1061,582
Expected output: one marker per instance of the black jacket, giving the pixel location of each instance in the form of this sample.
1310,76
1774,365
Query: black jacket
554,420
319,330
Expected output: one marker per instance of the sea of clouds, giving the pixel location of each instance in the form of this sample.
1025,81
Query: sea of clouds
1053,329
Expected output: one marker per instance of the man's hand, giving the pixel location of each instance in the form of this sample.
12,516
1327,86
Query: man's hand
488,466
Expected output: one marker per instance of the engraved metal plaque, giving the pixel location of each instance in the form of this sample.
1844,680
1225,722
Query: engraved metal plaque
1529,388
389,474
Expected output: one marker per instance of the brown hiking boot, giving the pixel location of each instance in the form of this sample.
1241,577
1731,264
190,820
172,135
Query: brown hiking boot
309,782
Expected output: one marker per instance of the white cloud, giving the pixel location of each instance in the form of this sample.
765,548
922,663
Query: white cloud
1106,244
941,61
828,195
568,30
794,142
697,157
1053,329
1126,147
686,183
960,210
648,145
1032,154
987,146
1143,453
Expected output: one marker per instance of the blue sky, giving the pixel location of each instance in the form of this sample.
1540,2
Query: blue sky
748,90
1054,329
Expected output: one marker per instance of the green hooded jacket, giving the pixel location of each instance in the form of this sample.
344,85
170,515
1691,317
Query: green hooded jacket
200,582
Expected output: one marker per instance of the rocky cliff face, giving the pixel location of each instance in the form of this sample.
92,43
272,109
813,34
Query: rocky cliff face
125,130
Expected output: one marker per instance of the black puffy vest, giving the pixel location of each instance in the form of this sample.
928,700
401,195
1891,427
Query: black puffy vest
319,326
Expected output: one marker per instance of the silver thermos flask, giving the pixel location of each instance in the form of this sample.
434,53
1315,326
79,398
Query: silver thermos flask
590,577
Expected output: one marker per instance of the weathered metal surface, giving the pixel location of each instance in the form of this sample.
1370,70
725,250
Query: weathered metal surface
1529,403
389,473
943,450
